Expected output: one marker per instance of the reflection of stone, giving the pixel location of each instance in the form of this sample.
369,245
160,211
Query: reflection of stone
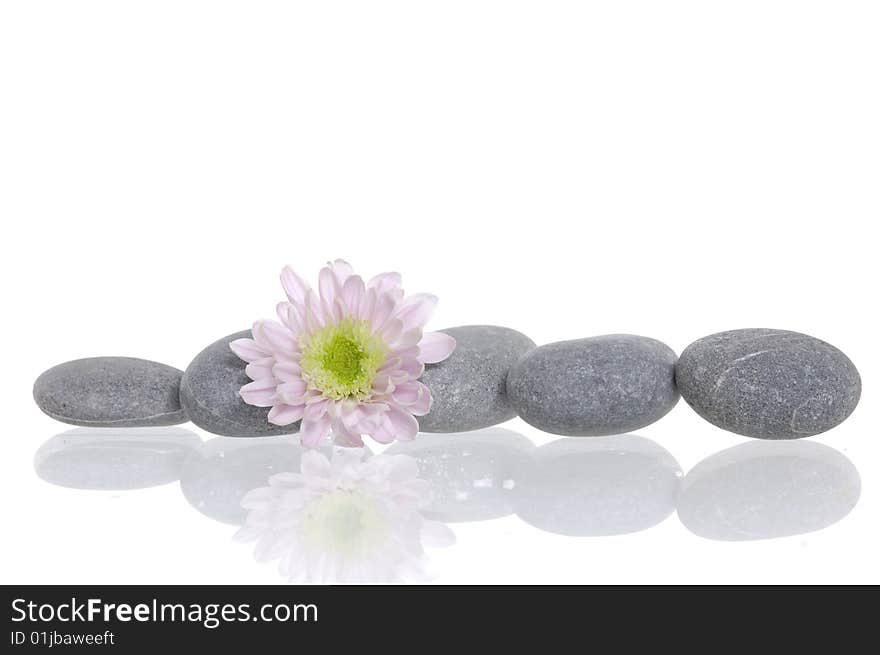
599,486
346,518
762,490
216,478
115,458
471,474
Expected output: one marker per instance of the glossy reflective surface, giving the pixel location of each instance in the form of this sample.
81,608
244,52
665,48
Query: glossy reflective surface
343,516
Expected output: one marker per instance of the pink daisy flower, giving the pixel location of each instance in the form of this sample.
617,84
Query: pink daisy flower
345,359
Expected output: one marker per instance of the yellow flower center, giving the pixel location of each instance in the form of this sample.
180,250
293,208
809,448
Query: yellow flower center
341,360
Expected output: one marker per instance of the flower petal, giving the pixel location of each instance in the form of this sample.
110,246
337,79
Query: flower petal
435,347
260,393
352,292
407,393
287,371
274,337
381,311
344,436
313,431
403,424
294,286
342,270
262,368
328,286
417,309
285,414
317,409
385,282
248,350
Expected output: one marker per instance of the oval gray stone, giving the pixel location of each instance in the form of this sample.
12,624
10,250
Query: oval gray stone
763,490
209,393
111,392
598,487
769,384
115,459
468,387
596,386
471,475
223,470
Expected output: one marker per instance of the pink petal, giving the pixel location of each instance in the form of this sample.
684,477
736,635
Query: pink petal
248,350
292,393
423,405
406,393
285,414
385,281
417,309
409,338
411,367
294,286
274,337
312,431
382,310
262,368
314,312
367,305
403,424
392,330
260,393
352,292
435,347
316,410
343,436
287,371
342,270
328,286
382,384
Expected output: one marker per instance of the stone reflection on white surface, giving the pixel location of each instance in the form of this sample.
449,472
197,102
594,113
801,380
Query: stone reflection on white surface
598,486
345,518
767,489
216,477
345,515
472,474
115,459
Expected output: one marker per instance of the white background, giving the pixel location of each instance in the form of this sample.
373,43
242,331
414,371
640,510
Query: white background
564,168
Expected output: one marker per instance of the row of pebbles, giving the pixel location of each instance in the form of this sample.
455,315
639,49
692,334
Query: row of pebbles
769,384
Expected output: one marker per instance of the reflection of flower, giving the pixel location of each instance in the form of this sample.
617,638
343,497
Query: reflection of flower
346,358
349,518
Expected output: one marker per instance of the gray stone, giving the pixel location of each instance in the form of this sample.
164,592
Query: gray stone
769,384
111,392
223,470
598,487
115,459
472,475
763,489
596,386
469,387
209,393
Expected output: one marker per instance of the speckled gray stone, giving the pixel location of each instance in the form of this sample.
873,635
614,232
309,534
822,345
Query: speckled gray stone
469,387
115,459
597,487
765,489
209,393
596,386
471,475
769,384
111,392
